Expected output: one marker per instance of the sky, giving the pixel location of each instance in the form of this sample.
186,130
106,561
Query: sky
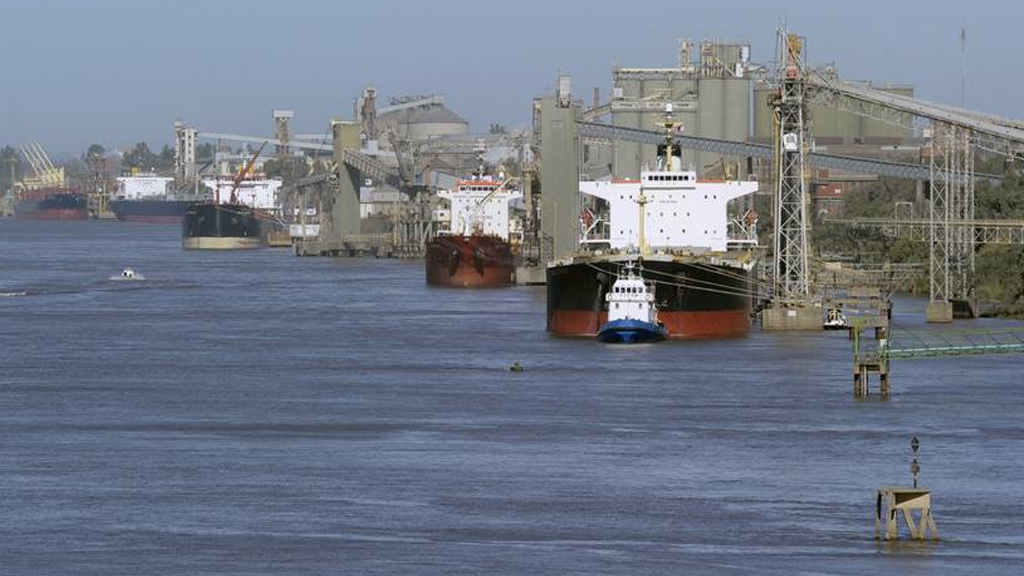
117,72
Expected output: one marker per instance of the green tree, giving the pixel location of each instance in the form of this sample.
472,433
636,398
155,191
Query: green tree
140,158
9,158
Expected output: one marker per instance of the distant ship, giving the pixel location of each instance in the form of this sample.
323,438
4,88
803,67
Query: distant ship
46,195
51,204
701,264
145,198
475,251
151,210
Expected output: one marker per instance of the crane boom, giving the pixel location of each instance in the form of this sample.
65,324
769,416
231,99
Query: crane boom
245,171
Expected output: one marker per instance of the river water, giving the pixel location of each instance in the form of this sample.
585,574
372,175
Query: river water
258,413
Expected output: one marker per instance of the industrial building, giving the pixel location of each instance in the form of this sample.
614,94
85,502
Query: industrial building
710,97
717,91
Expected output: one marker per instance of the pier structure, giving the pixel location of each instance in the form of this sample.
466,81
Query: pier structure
873,355
870,355
891,502
908,502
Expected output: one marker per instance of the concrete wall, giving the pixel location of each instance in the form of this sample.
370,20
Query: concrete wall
345,213
559,176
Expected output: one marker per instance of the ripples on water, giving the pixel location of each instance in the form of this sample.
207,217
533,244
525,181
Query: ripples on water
257,413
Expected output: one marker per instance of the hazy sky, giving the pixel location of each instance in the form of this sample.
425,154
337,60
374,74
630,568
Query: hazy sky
119,71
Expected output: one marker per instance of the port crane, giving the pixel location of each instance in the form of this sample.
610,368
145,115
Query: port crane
243,173
46,173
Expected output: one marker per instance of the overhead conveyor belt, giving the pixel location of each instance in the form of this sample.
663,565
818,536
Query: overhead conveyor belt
366,165
990,131
753,150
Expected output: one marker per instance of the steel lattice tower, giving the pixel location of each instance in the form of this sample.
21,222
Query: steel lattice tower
791,130
951,246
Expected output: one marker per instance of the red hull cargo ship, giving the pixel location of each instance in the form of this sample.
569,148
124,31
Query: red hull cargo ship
475,251
678,228
470,261
51,204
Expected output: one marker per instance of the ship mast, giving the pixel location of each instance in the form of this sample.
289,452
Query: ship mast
642,201
670,127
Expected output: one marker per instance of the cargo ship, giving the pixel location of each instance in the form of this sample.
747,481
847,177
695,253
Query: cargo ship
51,204
475,250
237,223
146,198
701,264
215,226
151,211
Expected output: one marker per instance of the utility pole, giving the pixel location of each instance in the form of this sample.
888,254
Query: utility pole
963,66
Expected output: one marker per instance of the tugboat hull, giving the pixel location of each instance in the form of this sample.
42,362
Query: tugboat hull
631,332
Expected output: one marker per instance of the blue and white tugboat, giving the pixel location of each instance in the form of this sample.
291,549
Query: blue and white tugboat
632,313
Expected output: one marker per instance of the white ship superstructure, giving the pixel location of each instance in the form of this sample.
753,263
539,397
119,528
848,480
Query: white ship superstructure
142,186
261,193
480,206
680,211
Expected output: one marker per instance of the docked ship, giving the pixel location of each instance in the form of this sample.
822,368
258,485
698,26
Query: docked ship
147,198
46,195
241,222
475,250
51,204
151,210
217,226
678,227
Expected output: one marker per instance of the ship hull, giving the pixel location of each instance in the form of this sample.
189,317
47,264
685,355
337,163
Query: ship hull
209,226
150,211
469,262
696,300
58,206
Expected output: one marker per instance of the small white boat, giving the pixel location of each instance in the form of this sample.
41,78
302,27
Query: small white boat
835,320
632,313
128,274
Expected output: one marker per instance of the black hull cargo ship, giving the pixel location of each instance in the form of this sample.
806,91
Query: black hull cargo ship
700,260
152,211
211,226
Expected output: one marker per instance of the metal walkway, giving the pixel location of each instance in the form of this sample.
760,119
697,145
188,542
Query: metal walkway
906,345
919,229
